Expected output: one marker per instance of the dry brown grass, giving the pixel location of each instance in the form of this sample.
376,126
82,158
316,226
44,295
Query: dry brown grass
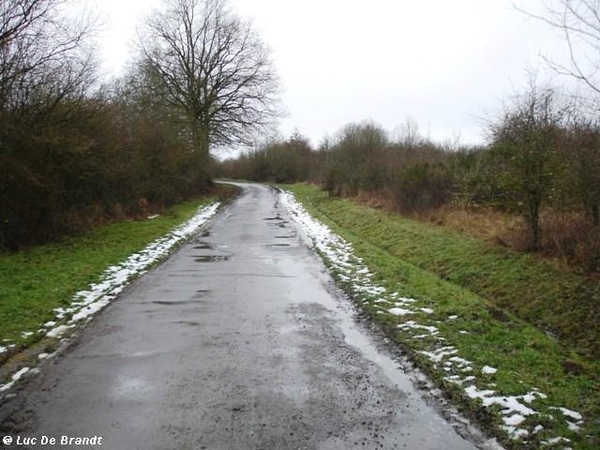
568,238
490,225
376,200
572,238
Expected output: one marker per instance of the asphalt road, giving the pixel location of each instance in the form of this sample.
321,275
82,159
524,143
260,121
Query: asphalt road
240,340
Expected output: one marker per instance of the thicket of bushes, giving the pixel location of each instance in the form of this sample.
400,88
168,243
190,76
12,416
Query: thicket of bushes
74,153
87,160
542,164
277,161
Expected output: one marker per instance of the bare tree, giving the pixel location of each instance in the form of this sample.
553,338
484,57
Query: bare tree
408,133
524,153
43,57
579,23
212,70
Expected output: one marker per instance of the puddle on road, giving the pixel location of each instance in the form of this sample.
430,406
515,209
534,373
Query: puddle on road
277,221
174,303
188,322
203,246
278,245
210,258
130,386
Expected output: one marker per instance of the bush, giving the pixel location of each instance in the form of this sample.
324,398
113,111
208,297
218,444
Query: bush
570,236
421,188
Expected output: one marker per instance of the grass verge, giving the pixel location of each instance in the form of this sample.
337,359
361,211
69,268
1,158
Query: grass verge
35,281
490,305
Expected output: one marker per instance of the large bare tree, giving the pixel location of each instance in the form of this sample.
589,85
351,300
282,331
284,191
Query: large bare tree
211,69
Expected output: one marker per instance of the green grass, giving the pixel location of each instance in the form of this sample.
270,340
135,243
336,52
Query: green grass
505,301
35,281
561,302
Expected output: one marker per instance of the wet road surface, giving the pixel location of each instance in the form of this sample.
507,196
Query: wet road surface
238,341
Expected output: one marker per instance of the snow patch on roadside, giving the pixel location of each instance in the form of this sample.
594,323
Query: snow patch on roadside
518,415
88,302
400,311
16,377
58,331
488,370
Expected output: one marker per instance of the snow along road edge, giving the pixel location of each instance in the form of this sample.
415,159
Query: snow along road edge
349,269
86,303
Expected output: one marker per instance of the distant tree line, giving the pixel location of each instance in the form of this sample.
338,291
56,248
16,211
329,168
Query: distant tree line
75,152
543,157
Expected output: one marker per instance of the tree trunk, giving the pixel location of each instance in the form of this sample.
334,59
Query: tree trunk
534,223
201,148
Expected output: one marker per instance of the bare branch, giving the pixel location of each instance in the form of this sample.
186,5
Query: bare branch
579,23
43,59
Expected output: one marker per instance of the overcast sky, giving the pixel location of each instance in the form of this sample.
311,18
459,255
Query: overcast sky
447,64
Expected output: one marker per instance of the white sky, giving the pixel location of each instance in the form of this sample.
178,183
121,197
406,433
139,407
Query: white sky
447,64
